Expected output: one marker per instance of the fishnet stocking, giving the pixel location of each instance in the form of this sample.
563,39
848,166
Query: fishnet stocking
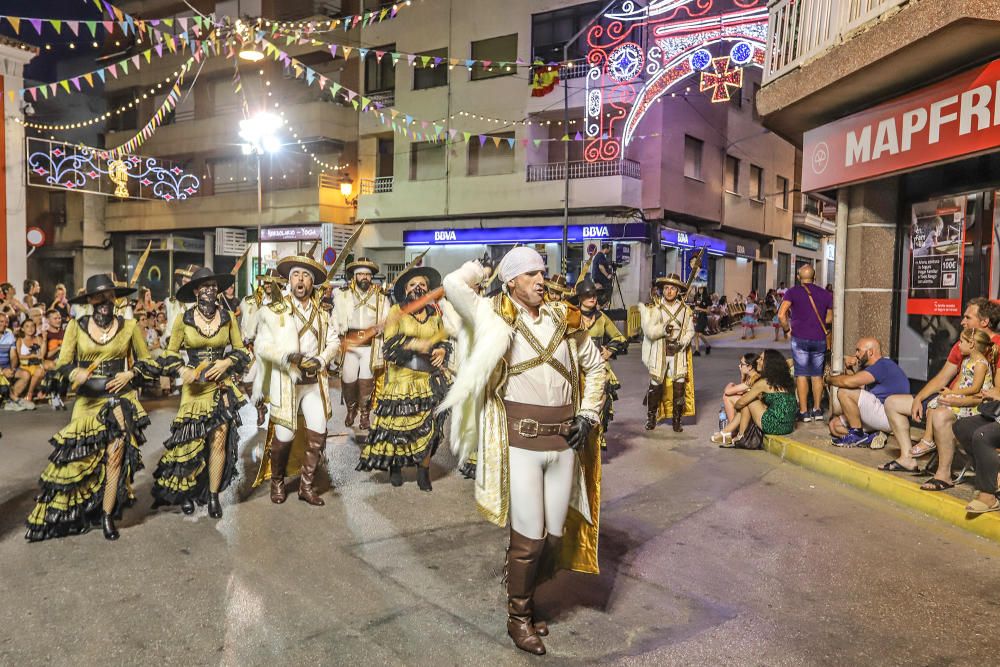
217,458
113,464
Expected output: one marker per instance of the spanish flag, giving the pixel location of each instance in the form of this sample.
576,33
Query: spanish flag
544,78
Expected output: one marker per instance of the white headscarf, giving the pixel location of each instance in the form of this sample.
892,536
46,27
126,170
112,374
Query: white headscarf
521,259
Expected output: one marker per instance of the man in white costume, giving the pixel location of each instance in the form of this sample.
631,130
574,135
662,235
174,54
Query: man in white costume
668,329
359,307
527,397
295,343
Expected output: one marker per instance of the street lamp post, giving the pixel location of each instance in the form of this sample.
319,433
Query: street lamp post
260,136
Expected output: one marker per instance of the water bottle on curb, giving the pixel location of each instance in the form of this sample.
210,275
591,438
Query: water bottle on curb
723,419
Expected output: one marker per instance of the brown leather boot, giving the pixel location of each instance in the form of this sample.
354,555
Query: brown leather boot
349,390
678,412
365,389
547,568
315,442
653,397
522,566
279,461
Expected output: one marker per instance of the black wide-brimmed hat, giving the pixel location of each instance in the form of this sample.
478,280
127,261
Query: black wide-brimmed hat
286,264
101,284
584,288
361,263
186,293
399,287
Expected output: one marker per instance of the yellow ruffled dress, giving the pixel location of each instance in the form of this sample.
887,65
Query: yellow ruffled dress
182,473
405,429
72,484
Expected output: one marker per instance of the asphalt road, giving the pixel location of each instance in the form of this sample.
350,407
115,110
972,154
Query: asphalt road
708,557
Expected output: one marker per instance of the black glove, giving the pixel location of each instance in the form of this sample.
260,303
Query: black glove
578,432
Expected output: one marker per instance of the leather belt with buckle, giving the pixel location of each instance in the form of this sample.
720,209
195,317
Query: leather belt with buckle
529,428
358,337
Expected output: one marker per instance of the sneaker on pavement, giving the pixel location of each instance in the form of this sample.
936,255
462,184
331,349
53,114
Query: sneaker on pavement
817,415
804,417
13,405
27,405
855,438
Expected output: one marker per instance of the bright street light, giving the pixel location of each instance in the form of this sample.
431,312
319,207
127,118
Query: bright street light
260,133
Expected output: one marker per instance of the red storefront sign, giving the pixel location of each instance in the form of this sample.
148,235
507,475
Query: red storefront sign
954,118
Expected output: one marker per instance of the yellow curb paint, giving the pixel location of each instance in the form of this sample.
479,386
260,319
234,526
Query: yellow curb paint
887,485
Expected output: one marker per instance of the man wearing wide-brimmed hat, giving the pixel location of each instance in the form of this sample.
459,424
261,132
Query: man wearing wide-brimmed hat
295,343
527,397
359,307
668,329
556,288
269,285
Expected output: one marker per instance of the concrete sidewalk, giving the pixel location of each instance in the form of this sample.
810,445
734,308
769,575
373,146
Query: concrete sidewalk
810,446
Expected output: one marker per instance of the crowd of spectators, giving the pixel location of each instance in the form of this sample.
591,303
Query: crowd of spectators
31,335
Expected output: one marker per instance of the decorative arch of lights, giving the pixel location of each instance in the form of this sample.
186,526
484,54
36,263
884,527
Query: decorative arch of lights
636,54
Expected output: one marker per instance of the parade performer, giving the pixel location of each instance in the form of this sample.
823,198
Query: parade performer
201,454
609,341
96,456
557,289
175,306
406,431
528,398
269,284
358,308
668,329
296,341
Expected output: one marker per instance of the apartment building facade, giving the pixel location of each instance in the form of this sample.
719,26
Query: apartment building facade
894,105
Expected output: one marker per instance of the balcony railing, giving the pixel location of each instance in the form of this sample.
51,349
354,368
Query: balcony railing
556,171
376,186
384,97
798,30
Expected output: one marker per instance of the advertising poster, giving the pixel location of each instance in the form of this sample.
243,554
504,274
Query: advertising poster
937,253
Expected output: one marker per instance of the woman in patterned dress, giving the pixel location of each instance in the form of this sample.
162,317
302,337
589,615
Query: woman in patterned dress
96,455
405,431
202,451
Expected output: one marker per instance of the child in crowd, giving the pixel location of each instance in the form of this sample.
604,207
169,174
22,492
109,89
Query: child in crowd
750,318
979,357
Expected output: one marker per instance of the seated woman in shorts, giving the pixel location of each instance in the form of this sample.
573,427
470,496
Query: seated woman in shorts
769,406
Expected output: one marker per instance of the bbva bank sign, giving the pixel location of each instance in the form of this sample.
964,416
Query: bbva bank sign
632,231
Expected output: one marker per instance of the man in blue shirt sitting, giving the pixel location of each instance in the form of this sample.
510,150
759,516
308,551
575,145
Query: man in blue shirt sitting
870,379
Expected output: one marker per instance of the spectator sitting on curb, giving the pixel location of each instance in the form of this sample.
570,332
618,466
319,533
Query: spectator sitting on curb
769,407
870,379
979,436
980,314
732,393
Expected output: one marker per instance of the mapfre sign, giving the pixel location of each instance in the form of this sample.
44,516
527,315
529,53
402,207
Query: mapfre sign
957,117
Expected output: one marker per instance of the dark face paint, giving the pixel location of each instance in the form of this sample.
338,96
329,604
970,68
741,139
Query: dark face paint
207,295
104,312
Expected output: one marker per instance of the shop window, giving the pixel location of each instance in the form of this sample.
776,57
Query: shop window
432,75
782,192
551,30
493,156
495,49
380,75
427,161
756,183
693,149
732,176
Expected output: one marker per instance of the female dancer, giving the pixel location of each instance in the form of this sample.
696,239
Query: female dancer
405,431
97,454
202,450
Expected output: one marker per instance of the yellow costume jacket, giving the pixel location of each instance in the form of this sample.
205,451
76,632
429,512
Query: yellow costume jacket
478,421
277,339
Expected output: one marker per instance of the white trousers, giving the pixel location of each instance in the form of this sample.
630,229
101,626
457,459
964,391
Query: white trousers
357,364
310,402
540,488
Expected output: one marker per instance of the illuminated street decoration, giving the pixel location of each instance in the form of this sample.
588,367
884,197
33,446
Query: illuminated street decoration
53,164
682,38
721,80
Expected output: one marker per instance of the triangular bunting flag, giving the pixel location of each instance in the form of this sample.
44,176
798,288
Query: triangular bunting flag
466,136
15,23
113,69
395,59
565,137
89,78
362,53
424,61
482,139
347,51
410,58
124,65
354,103
148,54
100,73
510,142
333,50
537,142
56,25
65,84
36,24
496,141
74,27
135,61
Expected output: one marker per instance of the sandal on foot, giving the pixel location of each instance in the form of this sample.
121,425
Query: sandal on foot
922,448
896,466
721,438
935,484
979,507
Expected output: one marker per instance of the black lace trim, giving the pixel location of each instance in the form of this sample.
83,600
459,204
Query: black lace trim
74,449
